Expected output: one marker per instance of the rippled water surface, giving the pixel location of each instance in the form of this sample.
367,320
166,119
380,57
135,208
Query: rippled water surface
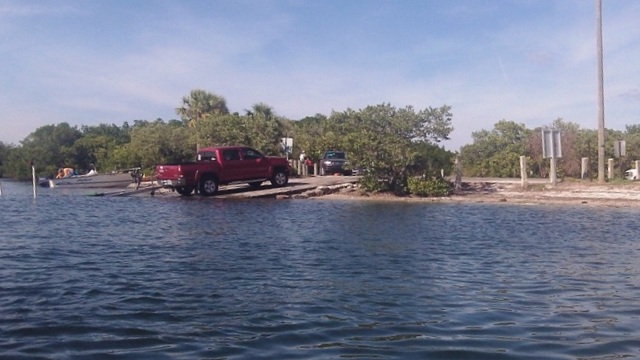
172,278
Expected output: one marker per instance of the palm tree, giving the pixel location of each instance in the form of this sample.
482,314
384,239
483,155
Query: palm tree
198,105
261,109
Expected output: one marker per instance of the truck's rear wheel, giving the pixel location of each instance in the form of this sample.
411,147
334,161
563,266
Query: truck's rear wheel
208,186
280,178
184,190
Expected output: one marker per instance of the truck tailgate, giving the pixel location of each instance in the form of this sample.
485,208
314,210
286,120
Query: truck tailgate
168,171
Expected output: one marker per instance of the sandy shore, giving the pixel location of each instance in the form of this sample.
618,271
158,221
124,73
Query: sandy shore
622,195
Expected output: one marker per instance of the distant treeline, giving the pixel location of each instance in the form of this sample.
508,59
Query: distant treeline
496,152
393,144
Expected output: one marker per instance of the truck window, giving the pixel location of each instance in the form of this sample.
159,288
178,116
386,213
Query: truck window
207,156
250,154
230,155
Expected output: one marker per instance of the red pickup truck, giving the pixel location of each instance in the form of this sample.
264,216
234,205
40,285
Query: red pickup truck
224,165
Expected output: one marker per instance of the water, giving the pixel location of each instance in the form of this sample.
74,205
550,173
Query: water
173,278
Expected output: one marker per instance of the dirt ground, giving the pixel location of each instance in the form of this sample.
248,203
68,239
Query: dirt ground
585,193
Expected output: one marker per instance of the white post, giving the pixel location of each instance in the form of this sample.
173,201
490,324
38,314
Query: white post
458,183
585,168
523,170
552,172
610,169
33,175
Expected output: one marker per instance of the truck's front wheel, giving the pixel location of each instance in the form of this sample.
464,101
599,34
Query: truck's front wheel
184,190
208,186
280,178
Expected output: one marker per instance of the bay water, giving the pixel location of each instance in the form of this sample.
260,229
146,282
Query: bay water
85,277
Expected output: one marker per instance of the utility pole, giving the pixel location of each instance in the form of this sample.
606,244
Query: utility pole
600,93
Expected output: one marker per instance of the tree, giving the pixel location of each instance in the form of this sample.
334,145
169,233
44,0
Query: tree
632,129
496,152
261,129
264,128
152,144
260,109
309,135
382,138
197,106
52,147
16,164
98,144
430,159
5,150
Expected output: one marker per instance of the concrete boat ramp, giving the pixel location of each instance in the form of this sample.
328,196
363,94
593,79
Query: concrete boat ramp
244,191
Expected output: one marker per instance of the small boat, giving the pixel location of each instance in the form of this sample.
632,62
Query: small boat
91,180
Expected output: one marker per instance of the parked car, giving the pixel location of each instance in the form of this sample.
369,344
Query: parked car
334,162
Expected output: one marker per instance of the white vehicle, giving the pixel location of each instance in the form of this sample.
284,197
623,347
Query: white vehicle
631,174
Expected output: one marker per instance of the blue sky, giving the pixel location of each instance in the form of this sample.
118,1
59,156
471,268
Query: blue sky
529,61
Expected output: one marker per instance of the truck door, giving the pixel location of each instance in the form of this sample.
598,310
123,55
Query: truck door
231,165
254,164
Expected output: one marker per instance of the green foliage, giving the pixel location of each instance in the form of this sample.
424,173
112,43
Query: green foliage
393,144
371,183
632,129
51,147
496,153
16,164
55,146
5,149
311,134
152,144
200,104
387,140
197,106
260,128
430,160
435,187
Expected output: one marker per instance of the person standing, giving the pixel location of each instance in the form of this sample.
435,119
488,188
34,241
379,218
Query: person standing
301,165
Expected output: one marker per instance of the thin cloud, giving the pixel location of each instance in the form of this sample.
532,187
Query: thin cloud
21,10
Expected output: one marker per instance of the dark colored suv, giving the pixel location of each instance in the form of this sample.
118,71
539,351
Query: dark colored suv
333,162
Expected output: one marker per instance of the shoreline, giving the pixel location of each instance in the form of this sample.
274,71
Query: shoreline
623,195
